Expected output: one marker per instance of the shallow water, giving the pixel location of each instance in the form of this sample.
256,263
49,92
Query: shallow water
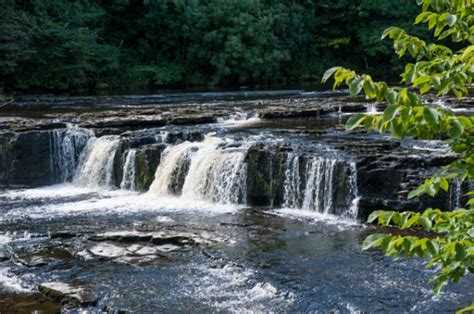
271,260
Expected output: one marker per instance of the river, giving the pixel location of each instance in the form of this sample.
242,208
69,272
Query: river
258,205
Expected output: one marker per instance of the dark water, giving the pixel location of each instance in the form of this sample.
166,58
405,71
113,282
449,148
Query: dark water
269,260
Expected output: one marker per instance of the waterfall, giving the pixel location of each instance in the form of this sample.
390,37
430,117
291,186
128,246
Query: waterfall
371,108
354,208
98,162
311,183
172,169
66,146
217,176
455,194
292,182
206,170
129,171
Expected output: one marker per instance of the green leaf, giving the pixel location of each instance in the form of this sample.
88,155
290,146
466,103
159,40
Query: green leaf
460,251
425,223
425,88
432,247
374,215
416,192
355,121
390,112
451,19
431,116
369,89
408,223
356,86
390,96
444,184
329,73
455,128
439,284
421,80
373,241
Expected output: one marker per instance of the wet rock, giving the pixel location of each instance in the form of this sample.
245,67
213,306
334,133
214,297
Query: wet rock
160,238
148,159
32,261
25,159
122,236
40,126
192,119
109,310
265,175
126,123
4,256
108,250
11,302
66,294
306,108
63,234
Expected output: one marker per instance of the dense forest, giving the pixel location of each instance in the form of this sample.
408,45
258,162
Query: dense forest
56,45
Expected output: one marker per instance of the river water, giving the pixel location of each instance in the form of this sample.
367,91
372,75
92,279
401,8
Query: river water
299,254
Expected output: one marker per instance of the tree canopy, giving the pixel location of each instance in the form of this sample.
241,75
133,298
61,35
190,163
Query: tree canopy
60,45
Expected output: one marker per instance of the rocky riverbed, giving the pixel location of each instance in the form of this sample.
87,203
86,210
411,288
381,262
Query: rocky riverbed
204,202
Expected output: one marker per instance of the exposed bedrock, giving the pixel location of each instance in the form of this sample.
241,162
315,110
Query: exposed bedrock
123,147
265,175
312,108
25,159
276,175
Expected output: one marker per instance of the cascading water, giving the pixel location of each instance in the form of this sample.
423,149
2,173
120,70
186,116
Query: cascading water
354,208
217,176
98,162
66,146
455,194
129,171
207,171
172,169
311,184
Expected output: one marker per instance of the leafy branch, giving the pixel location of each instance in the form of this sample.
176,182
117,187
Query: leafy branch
435,68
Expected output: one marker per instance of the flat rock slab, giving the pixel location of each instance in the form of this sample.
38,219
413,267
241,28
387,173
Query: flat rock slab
108,250
66,294
33,261
112,251
160,237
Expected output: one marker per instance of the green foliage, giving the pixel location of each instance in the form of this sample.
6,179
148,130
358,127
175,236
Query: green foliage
438,68
63,45
451,245
59,45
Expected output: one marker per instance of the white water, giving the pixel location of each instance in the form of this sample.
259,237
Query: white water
66,146
310,184
315,190
101,202
213,171
98,162
354,209
208,171
216,175
129,171
371,108
455,194
168,171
